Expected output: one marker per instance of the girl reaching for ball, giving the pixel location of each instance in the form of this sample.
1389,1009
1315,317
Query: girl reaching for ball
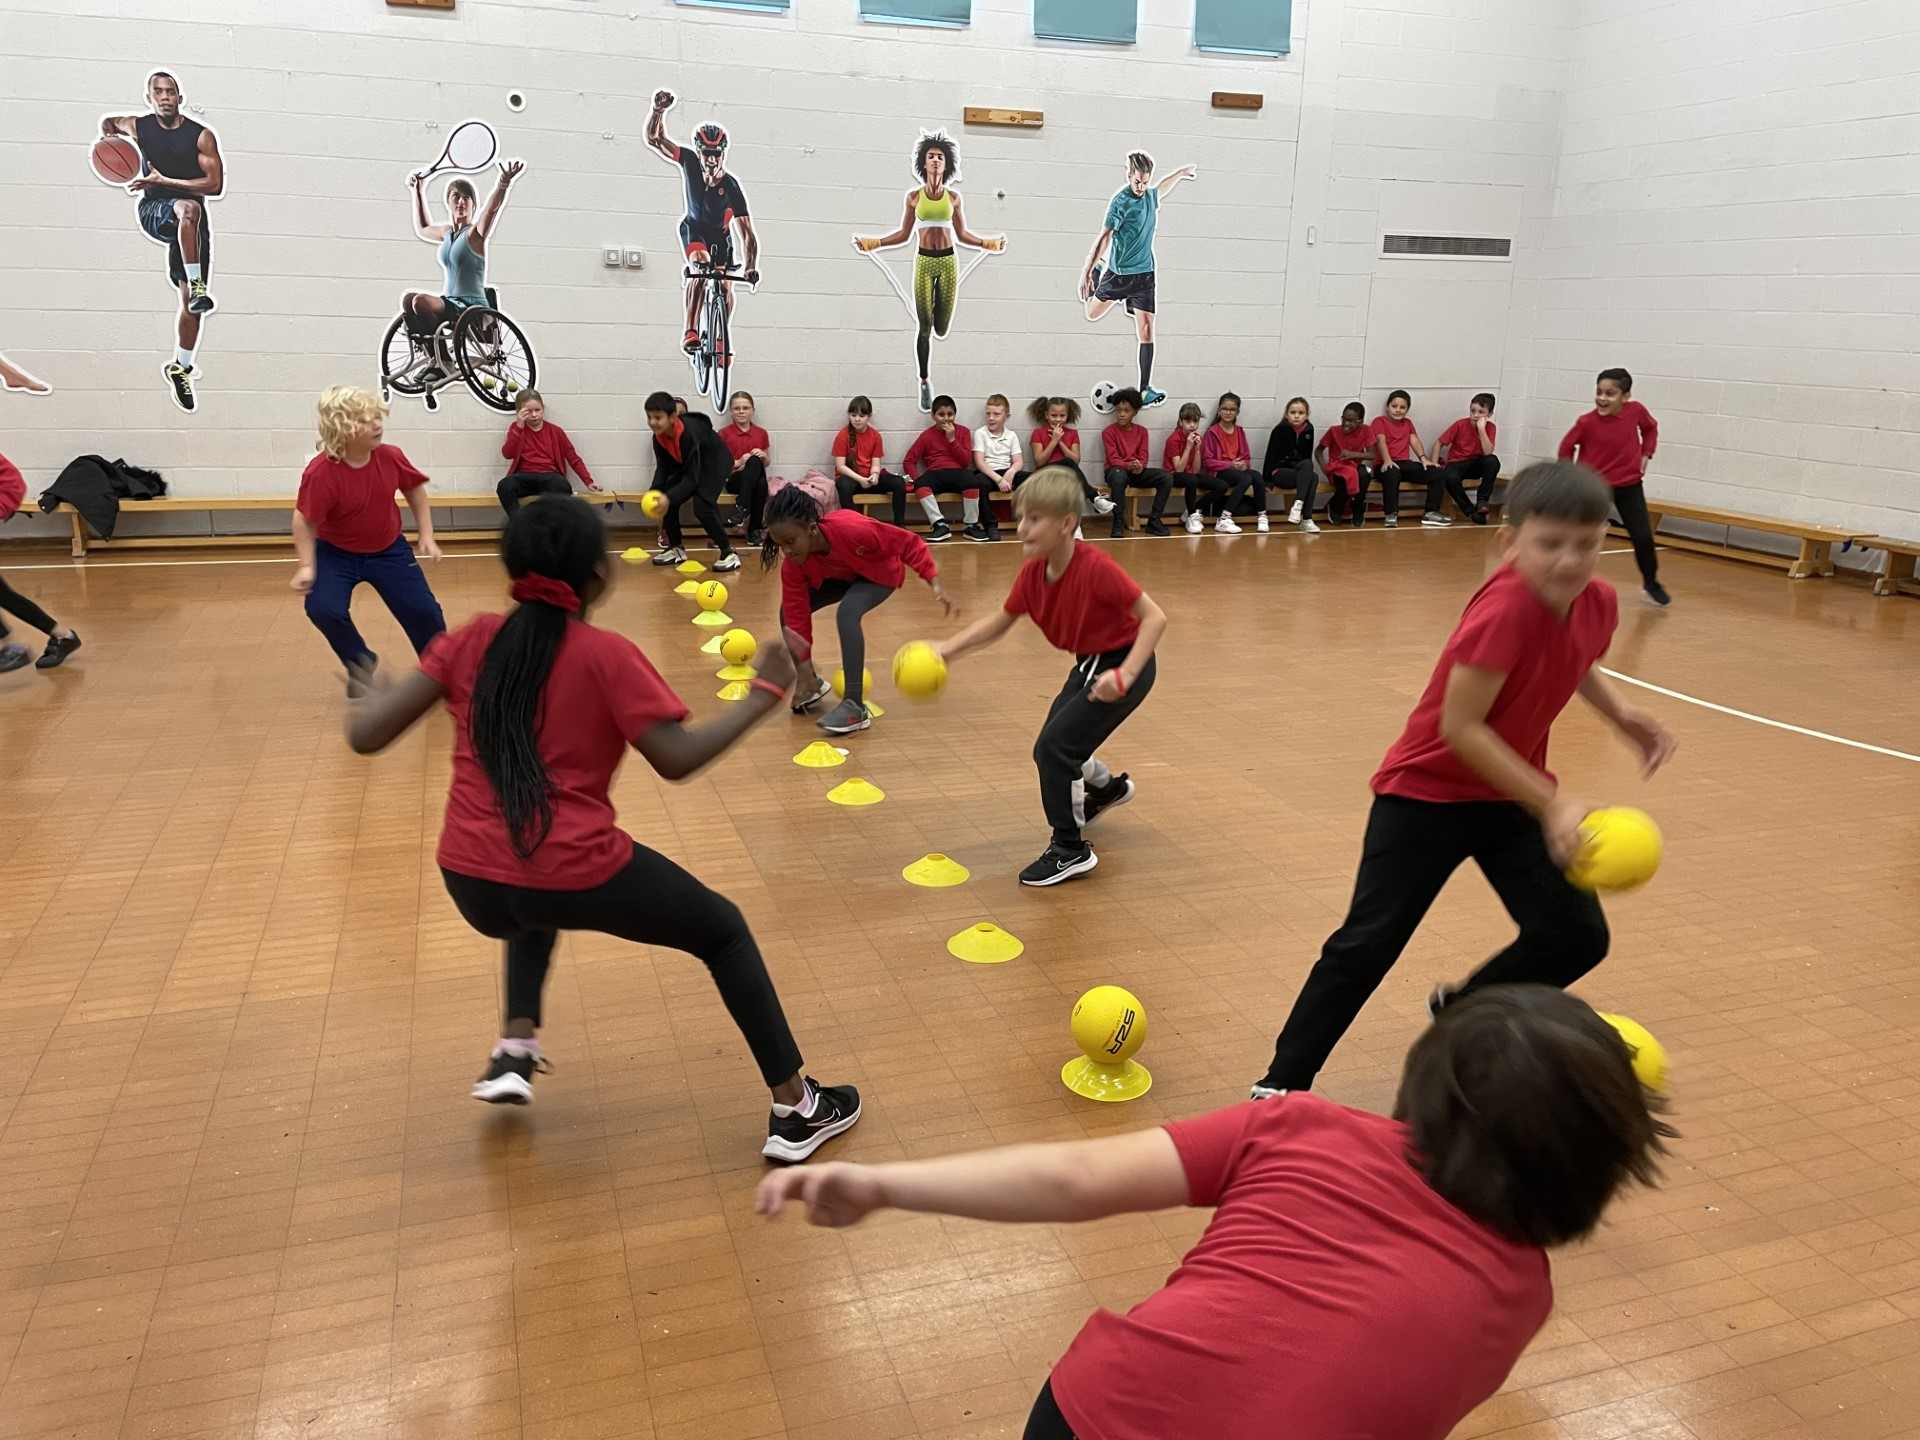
843,559
544,705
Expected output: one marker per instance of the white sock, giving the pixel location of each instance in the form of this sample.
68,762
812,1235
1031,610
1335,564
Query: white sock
970,509
804,1108
1095,774
932,508
183,357
526,1049
193,273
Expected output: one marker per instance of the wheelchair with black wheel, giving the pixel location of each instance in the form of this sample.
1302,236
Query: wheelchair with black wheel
478,344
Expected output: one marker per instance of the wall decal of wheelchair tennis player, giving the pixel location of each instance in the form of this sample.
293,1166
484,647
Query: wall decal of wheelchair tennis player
173,168
459,333
934,218
716,207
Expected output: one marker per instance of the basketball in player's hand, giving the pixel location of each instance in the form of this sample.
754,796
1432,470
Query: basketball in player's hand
116,159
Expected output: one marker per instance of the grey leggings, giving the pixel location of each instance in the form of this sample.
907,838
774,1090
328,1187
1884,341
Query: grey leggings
855,598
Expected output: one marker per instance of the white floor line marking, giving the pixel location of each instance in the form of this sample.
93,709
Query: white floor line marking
1760,719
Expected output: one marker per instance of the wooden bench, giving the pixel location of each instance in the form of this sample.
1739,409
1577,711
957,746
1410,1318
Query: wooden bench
1898,577
1816,541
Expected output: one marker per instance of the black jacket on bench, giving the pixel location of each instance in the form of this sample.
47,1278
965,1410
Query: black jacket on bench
95,487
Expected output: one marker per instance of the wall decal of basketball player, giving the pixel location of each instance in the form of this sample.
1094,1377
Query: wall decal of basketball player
934,216
174,171
1120,269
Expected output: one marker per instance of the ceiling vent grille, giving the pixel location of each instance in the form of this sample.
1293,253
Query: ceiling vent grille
1450,247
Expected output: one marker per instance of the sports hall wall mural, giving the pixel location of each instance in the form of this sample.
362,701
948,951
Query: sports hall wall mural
1121,269
173,168
12,377
459,333
716,212
935,219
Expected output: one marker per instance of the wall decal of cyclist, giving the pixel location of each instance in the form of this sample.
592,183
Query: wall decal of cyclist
459,333
716,207
173,167
1120,267
935,218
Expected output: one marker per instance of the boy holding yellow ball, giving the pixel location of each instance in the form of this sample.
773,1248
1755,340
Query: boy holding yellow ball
1468,778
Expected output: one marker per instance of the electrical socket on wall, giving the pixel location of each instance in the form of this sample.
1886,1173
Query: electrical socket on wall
610,256
636,258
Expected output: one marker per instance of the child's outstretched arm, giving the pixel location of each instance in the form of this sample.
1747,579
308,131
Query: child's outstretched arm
1022,1184
1470,696
1111,685
1641,728
676,751
983,632
388,711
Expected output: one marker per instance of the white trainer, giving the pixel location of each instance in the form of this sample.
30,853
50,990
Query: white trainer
1102,505
1191,522
1293,515
1225,526
1261,524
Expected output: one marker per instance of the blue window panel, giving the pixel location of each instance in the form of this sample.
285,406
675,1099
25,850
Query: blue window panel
764,7
918,12
1247,27
1115,22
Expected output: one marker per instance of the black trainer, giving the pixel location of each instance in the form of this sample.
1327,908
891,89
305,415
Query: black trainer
940,531
1157,526
1657,593
792,1137
978,534
1117,792
1119,524
13,657
57,651
1061,862
509,1078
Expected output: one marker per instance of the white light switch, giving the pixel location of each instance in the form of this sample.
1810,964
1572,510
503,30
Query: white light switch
636,259
610,256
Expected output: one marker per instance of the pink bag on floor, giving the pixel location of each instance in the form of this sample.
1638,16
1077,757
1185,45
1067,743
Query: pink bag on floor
816,484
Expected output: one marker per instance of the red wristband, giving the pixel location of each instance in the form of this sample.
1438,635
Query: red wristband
767,685
1119,682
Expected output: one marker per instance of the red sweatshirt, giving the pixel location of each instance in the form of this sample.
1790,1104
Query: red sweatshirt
1614,445
857,549
13,488
1124,444
546,451
933,451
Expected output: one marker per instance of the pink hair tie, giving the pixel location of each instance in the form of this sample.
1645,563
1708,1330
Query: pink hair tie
548,591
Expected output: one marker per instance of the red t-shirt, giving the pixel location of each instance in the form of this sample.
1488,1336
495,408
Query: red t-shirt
601,696
739,442
1337,440
859,549
1088,610
934,451
1123,444
1463,441
13,488
1397,433
1506,628
1333,1296
868,447
546,451
353,508
1614,444
1176,446
1069,440
670,442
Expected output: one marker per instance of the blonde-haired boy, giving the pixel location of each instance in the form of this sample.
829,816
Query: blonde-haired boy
346,529
1085,604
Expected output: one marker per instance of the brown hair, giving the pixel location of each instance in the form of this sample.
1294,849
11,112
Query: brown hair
1193,412
526,397
1557,490
1524,1112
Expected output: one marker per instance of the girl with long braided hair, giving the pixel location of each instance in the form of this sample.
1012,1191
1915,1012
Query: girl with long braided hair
544,705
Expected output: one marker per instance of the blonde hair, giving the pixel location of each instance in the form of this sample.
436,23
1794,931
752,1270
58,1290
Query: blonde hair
999,400
343,410
1051,490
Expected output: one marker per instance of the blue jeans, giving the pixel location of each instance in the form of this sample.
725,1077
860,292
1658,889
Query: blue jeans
396,578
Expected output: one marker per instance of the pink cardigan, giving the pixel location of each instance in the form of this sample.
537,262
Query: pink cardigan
1213,456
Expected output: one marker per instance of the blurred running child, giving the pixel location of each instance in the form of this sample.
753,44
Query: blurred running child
61,640
857,452
1289,463
538,453
1617,438
544,707
689,463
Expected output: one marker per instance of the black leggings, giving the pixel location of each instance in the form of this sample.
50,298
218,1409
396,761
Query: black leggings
1076,724
855,598
1240,482
1406,472
1411,850
1631,502
1484,469
885,482
523,483
1045,1422
750,492
1299,477
1216,487
21,608
651,902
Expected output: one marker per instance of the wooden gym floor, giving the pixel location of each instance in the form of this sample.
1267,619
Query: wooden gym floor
248,1194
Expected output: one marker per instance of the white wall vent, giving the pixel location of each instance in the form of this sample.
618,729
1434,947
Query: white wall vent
1448,247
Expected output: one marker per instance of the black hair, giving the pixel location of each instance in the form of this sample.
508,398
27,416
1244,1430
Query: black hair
1619,377
1557,490
1393,395
946,400
1127,395
789,505
562,539
163,75
1037,411
1221,401
1524,1111
1483,398
659,403
943,142
1353,407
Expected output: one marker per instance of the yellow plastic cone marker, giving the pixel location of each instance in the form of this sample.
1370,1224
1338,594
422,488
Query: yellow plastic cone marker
856,792
712,619
984,944
687,587
1109,1025
735,672
821,756
691,567
634,555
734,690
1649,1056
936,872
712,647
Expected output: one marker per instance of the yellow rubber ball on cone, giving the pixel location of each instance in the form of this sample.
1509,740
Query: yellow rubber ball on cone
1109,1024
1619,850
840,682
737,647
653,504
919,671
712,595
1649,1055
